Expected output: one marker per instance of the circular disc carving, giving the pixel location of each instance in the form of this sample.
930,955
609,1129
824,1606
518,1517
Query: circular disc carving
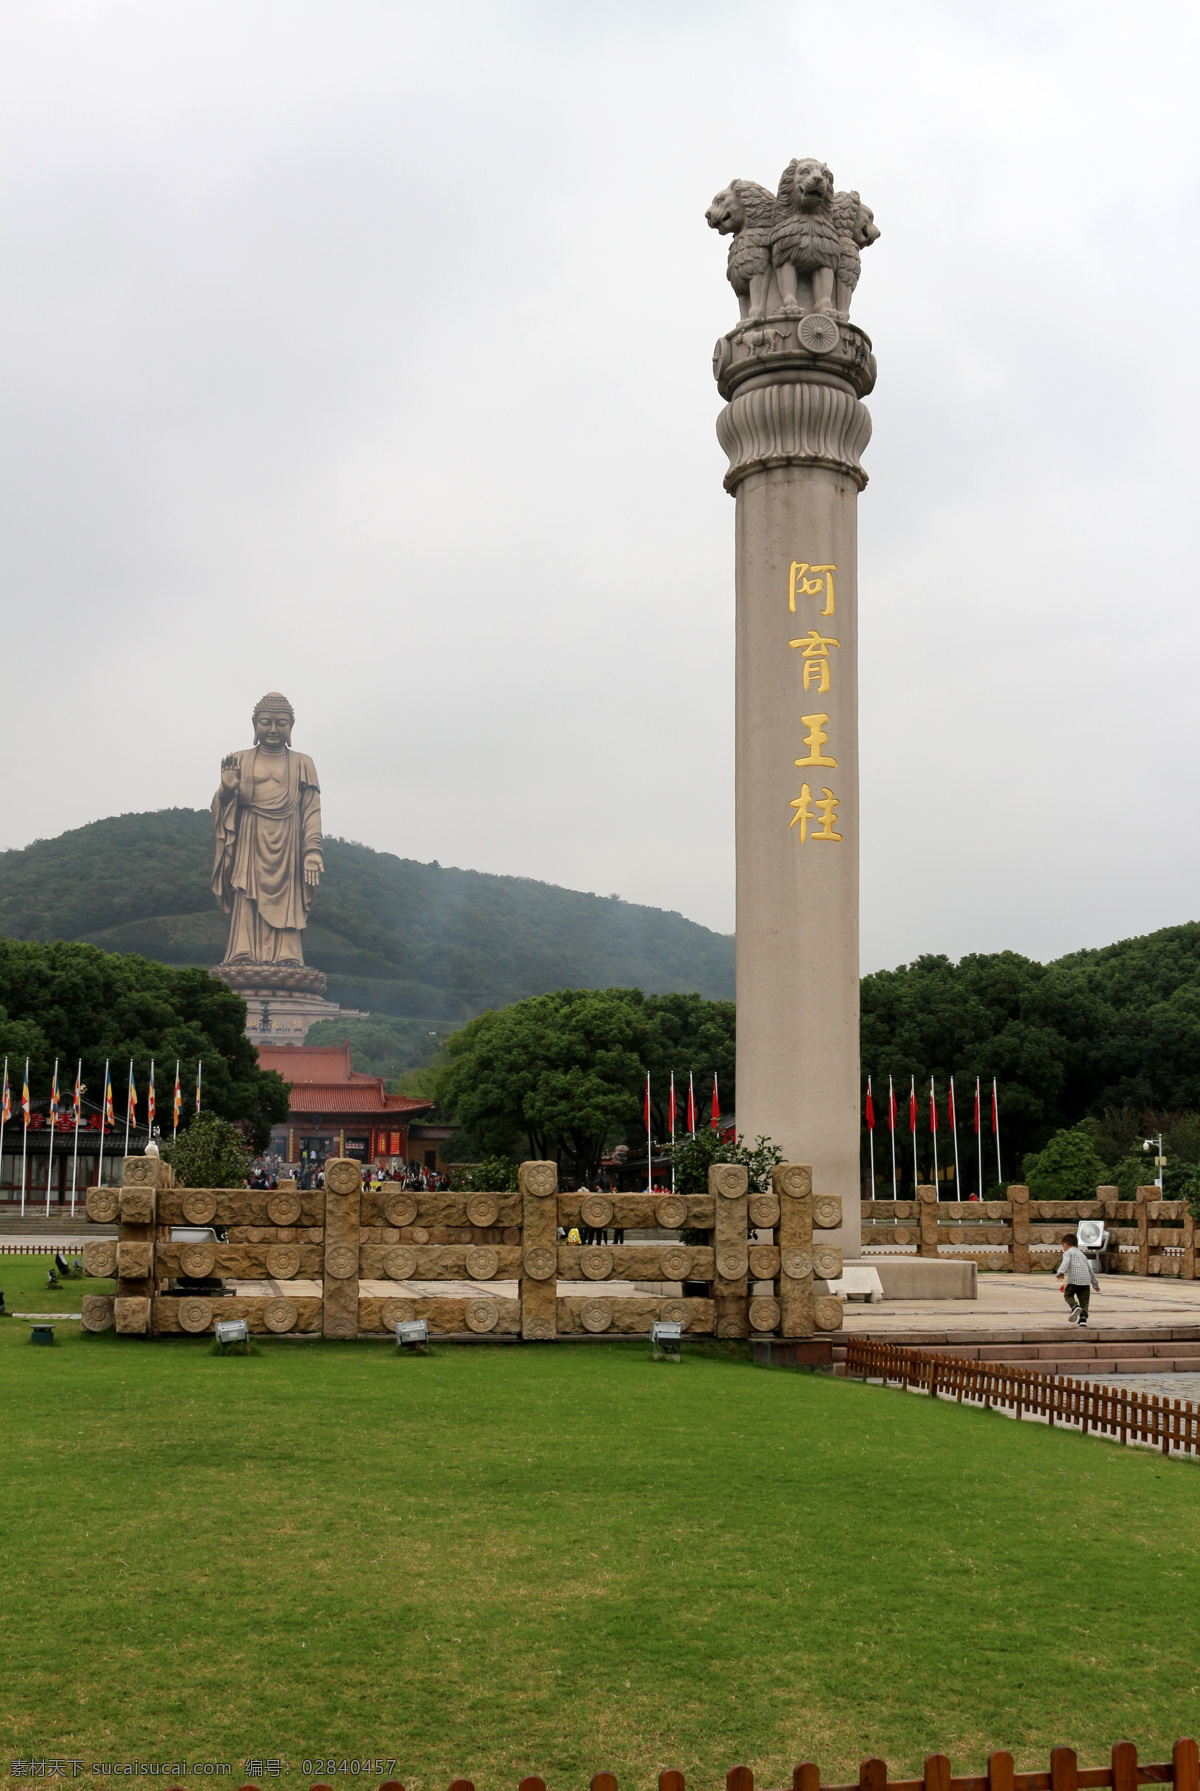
596,1262
732,1263
400,1209
764,1212
100,1258
483,1210
139,1172
195,1315
764,1315
596,1315
197,1261
730,1327
540,1330
827,1313
400,1264
283,1262
539,1178
481,1315
482,1264
343,1176
764,1262
97,1312
674,1312
103,1204
671,1212
827,1211
279,1315
795,1180
341,1262
596,1210
902,1236
420,1235
676,1263
283,1208
827,1262
540,1264
818,333
200,1206
394,1312
730,1179
797,1264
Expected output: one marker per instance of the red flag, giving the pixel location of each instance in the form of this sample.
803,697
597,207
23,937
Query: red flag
891,1107
646,1106
691,1108
995,1109
977,1106
912,1104
716,1106
870,1108
932,1107
671,1107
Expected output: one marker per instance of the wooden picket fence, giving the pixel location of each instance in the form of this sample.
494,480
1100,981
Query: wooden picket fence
1123,1412
1123,1773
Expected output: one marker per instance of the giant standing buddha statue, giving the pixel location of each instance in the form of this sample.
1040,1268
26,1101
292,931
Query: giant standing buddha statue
794,371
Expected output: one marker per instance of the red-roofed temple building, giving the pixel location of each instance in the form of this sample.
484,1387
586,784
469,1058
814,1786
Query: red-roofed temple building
335,1111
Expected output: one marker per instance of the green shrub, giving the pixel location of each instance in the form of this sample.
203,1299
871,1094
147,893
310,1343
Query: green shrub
210,1154
1069,1168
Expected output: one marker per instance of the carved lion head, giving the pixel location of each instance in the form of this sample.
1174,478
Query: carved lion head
742,205
807,185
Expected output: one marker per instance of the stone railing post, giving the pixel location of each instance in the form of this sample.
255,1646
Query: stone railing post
792,1183
1019,1202
728,1183
141,1178
927,1209
538,1182
343,1218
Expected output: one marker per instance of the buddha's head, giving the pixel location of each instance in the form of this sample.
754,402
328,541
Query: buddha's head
273,719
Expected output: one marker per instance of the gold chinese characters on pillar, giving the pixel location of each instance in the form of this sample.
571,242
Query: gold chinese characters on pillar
814,818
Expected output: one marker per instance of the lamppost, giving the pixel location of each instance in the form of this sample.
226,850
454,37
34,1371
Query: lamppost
1160,1162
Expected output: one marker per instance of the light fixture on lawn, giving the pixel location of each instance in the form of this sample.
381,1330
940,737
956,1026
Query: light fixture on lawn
233,1333
665,1337
1091,1236
413,1334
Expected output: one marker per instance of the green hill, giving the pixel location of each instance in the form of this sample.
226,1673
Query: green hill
393,936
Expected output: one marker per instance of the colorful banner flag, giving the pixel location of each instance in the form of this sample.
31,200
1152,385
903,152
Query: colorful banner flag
671,1106
25,1095
199,1067
6,1107
178,1101
108,1117
131,1108
870,1108
54,1097
716,1106
77,1103
912,1105
150,1103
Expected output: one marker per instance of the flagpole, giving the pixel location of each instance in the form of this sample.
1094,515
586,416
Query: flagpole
3,1105
996,1129
128,1105
933,1132
649,1140
954,1124
979,1136
103,1115
892,1130
78,1109
53,1128
672,1131
871,1135
175,1106
912,1121
692,1101
24,1132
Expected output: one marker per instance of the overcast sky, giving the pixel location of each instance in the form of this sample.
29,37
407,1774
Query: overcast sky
363,350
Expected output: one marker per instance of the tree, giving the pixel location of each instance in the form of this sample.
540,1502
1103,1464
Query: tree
210,1154
1070,1167
698,1037
72,1001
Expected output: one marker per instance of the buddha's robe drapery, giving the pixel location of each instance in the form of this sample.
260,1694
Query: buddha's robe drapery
265,834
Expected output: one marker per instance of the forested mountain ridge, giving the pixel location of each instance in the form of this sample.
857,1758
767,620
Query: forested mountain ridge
392,935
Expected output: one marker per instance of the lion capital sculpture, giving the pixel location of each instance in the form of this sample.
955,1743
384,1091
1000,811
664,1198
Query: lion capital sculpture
804,235
746,211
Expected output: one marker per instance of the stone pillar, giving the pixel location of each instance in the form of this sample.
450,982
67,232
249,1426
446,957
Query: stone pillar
728,1184
538,1286
794,429
343,1217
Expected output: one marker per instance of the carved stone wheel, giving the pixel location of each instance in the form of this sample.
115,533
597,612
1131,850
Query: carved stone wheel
140,1172
671,1212
902,1236
827,1211
400,1209
341,1262
596,1315
764,1212
197,1261
283,1262
483,1210
596,1210
731,1327
764,1315
103,1204
675,1263
827,1313
97,1312
540,1330
994,1209
794,1180
420,1235
540,1264
729,1179
818,333
827,1262
674,1312
732,1263
343,1176
400,1264
283,1208
596,1262
539,1178
482,1264
280,1315
764,1262
100,1258
200,1206
195,1315
481,1315
797,1264
393,1312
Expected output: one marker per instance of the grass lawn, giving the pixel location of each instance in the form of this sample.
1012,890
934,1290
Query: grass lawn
563,1559
23,1279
